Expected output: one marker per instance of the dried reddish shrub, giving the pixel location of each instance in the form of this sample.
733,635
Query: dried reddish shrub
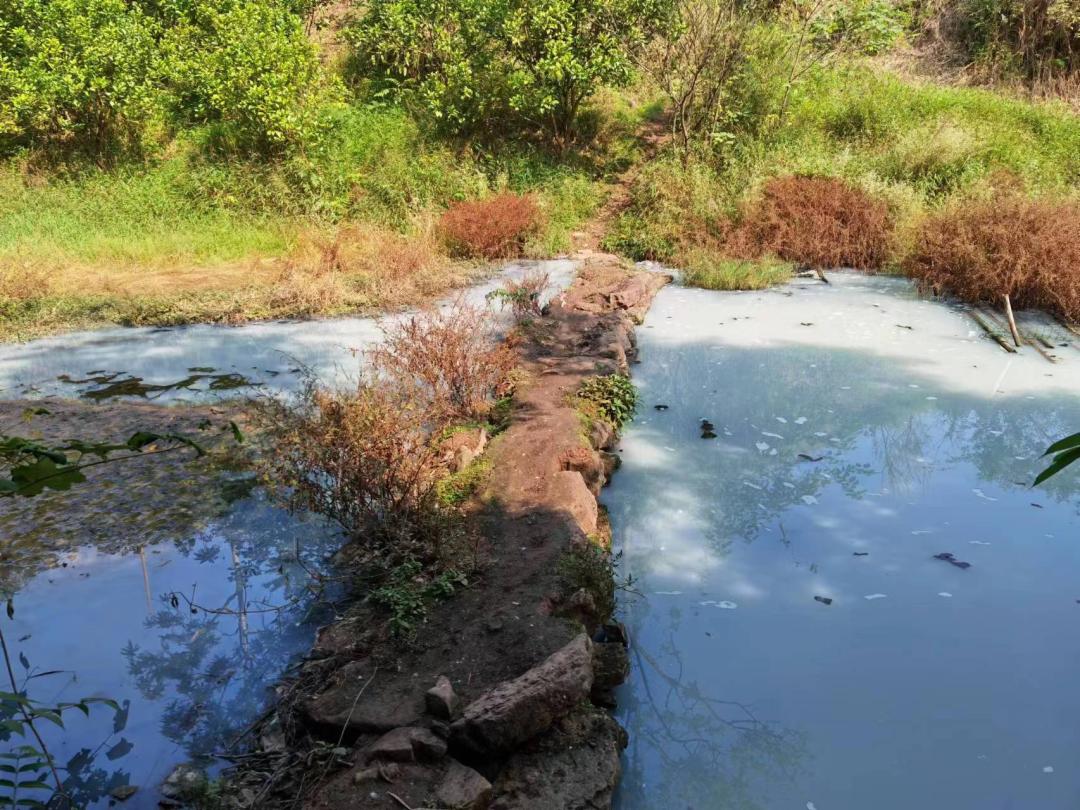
816,221
452,357
492,228
362,457
981,251
371,457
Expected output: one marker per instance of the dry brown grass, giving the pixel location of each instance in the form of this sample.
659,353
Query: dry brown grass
493,228
815,221
981,251
22,282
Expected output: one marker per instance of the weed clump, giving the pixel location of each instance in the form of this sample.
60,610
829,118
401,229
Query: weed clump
1028,249
493,228
611,397
816,221
370,457
523,297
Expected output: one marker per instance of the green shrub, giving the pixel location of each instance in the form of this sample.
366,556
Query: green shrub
473,63
612,397
77,74
247,68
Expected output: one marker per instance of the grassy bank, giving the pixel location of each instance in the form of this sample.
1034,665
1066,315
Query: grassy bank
192,238
918,149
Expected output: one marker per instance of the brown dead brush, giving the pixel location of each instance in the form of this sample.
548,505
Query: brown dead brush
371,457
1009,245
362,457
492,228
364,265
453,357
820,222
21,282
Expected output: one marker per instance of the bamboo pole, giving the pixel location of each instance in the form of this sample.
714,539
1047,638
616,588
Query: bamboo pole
986,328
1012,320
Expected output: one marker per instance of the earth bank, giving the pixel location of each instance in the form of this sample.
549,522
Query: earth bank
500,699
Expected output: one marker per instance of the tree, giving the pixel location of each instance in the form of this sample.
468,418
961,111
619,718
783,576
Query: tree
476,64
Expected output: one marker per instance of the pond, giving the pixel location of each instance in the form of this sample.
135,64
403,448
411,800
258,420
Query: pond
851,597
175,588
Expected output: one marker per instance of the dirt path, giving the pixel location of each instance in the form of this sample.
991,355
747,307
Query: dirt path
522,661
652,135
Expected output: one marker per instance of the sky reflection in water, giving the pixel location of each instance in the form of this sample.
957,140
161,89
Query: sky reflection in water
921,685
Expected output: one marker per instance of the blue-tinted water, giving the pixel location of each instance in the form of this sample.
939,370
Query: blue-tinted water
922,684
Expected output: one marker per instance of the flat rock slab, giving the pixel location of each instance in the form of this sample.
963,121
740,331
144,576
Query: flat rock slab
383,706
516,711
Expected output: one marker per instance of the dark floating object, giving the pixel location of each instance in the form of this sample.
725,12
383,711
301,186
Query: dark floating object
660,407
948,557
707,429
860,554
806,323
905,326
825,600
806,457
1037,505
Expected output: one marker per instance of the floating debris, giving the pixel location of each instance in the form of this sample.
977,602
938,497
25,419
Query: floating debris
807,457
947,556
723,605
801,420
945,594
872,596
825,600
809,500
708,430
983,495
660,407
860,554
978,543
1048,769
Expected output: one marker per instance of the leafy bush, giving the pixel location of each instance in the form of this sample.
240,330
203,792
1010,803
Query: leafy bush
247,68
107,77
528,63
816,221
611,397
981,251
77,75
493,228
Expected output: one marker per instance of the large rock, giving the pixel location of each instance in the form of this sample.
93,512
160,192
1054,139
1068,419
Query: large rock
462,788
407,744
500,720
441,699
570,493
341,710
574,766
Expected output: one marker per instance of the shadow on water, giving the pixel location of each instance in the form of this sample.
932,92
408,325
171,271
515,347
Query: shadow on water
840,472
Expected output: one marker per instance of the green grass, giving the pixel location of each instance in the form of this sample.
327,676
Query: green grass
705,269
918,146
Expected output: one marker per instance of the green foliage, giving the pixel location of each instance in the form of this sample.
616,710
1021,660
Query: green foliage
456,488
247,68
409,592
593,569
106,77
612,397
1065,452
1033,40
705,269
76,74
866,26
470,64
33,467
